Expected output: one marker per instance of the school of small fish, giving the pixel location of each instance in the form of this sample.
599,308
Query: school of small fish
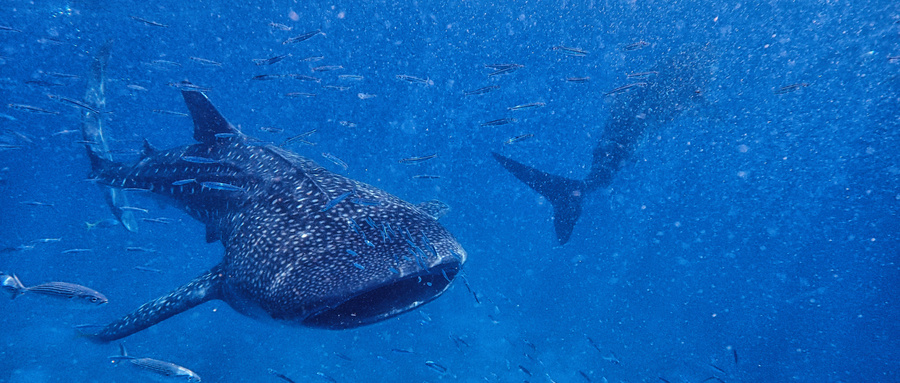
495,72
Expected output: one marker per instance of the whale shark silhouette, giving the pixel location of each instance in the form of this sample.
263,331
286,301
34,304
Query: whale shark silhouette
667,91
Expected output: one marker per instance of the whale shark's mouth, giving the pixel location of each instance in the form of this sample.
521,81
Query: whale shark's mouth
387,300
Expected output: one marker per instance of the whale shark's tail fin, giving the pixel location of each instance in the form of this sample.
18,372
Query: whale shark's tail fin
566,195
95,140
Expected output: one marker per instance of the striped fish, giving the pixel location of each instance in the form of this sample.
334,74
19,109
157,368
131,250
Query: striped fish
64,290
160,369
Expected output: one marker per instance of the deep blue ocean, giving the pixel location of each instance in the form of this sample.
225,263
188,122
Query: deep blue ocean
752,238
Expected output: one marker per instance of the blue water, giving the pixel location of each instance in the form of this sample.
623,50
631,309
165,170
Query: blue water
756,224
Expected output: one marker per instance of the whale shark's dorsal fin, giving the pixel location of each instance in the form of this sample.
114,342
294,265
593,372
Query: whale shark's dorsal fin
208,122
564,194
148,149
202,289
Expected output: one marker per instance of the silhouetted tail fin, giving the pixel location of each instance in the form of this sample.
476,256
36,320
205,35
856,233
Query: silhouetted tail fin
95,140
563,193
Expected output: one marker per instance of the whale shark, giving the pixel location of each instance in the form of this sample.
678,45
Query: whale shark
303,245
654,98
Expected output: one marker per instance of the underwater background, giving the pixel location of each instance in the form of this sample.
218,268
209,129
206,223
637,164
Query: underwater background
753,238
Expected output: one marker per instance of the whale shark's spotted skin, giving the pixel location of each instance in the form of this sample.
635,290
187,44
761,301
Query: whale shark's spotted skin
302,244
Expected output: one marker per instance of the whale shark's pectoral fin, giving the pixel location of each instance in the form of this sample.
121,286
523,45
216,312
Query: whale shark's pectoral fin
209,124
203,288
564,194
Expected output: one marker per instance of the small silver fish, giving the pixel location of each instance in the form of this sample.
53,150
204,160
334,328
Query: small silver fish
133,208
502,121
790,88
298,137
199,160
577,52
171,113
503,68
482,90
641,74
271,60
527,106
415,160
635,46
271,129
302,77
149,22
518,138
266,77
624,88
301,38
280,27
187,85
221,186
64,290
31,109
414,79
136,249
300,94
335,201
47,240
337,161
160,369
76,251
184,182
204,61
162,220
437,367
327,68
280,375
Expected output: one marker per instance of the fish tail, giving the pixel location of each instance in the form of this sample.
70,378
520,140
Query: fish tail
95,141
202,289
123,353
94,96
566,195
12,285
